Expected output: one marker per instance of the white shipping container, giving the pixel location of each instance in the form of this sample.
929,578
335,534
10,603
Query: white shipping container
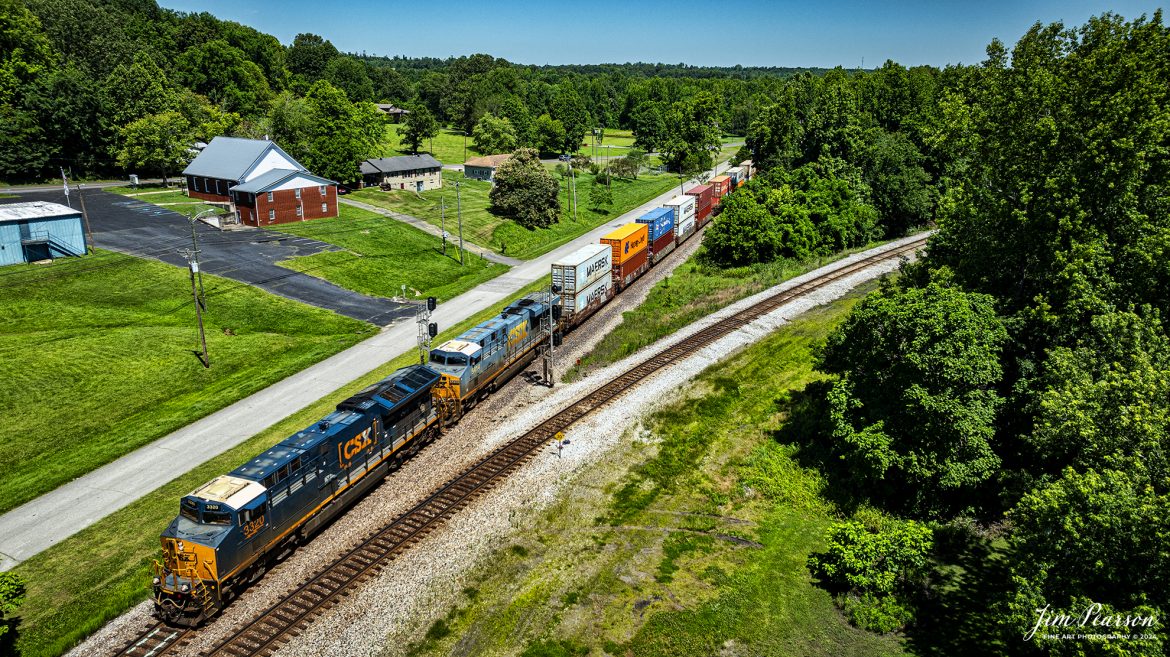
581,268
685,228
597,293
684,212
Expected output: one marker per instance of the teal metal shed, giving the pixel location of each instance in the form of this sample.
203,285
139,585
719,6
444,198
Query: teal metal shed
39,231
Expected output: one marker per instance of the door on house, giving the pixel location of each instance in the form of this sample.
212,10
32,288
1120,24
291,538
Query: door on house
418,186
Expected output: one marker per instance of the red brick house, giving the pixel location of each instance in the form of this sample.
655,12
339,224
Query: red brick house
263,184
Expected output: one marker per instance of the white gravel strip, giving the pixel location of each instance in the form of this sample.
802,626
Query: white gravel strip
420,585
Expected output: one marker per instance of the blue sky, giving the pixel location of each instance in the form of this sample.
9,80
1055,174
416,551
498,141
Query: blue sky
748,32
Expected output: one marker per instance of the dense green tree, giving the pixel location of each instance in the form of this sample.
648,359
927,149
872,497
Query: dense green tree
159,143
223,74
514,109
390,86
341,134
548,134
350,76
25,150
900,188
494,135
418,126
68,105
291,124
692,128
873,568
525,191
745,232
25,51
569,109
91,37
136,90
913,409
308,56
12,593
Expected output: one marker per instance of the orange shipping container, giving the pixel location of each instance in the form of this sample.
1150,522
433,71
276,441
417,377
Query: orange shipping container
721,185
626,242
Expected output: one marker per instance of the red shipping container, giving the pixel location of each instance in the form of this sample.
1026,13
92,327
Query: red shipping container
720,186
702,194
662,247
703,215
630,269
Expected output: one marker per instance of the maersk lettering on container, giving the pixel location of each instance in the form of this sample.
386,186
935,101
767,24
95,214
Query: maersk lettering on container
581,268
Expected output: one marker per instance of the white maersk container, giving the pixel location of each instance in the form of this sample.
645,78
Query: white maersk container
684,215
589,299
581,268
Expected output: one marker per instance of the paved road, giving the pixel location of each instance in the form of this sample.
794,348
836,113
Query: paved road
59,514
129,225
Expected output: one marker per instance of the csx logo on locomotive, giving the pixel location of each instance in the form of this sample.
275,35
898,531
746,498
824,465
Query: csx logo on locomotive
350,448
517,335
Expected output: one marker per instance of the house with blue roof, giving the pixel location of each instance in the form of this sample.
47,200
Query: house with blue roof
263,184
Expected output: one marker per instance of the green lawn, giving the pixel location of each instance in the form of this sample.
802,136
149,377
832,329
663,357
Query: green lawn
79,584
504,235
382,254
447,146
639,560
693,291
97,360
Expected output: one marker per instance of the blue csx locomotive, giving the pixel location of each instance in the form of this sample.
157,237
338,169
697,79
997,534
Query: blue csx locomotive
233,528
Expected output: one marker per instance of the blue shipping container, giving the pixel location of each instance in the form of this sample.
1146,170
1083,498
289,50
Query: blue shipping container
659,222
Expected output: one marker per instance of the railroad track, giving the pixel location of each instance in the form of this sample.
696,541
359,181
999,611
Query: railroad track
286,619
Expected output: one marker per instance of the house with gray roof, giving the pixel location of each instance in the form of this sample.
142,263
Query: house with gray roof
414,172
262,183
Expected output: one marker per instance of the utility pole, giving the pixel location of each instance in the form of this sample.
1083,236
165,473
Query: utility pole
193,264
85,215
202,299
443,220
459,212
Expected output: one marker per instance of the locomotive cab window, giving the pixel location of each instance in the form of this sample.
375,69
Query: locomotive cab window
217,518
189,510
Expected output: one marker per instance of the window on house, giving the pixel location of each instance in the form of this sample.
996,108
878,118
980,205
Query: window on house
324,208
298,210
322,190
269,197
298,192
271,216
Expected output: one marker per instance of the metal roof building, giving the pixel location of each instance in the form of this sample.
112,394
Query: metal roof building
39,231
414,172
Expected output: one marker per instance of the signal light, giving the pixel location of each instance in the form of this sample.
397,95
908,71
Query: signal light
431,303
432,329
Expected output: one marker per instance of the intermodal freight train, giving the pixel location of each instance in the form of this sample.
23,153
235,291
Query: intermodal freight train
232,529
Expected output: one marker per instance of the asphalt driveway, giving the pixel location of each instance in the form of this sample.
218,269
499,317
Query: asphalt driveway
131,226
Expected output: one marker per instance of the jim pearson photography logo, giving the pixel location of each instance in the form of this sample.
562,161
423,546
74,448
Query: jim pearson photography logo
1093,623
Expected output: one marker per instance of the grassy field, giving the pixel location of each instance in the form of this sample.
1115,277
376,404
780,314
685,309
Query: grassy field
382,254
693,291
97,360
504,235
689,541
81,583
447,146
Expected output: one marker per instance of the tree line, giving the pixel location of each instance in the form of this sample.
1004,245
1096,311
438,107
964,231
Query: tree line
1004,405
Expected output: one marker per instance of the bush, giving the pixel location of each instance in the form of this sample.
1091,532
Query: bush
879,614
525,191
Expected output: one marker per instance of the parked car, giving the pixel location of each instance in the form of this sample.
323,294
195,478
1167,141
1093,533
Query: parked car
565,157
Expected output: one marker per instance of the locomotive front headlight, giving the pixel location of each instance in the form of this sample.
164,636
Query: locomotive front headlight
157,580
184,588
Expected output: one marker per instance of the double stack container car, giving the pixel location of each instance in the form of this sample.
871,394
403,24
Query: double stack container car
585,279
630,258
720,186
703,205
660,224
684,216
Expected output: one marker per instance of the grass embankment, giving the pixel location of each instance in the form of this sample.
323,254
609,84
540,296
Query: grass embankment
504,235
84,581
96,360
698,548
693,291
448,145
382,254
